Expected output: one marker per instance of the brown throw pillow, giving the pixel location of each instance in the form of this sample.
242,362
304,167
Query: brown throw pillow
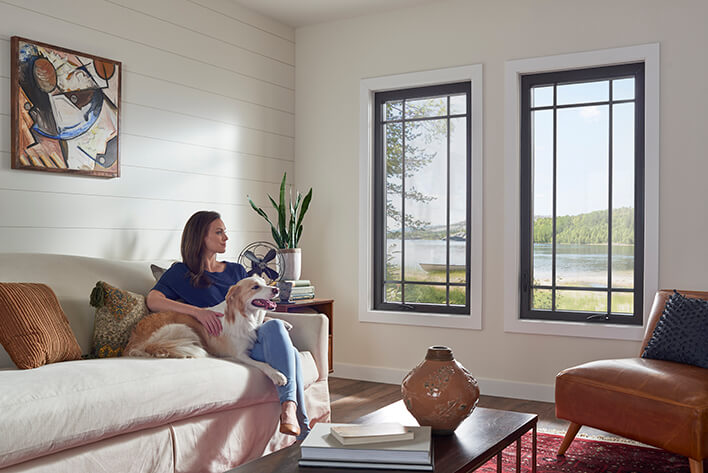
117,312
33,327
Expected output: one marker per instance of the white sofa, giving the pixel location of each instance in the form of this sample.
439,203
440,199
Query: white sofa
141,415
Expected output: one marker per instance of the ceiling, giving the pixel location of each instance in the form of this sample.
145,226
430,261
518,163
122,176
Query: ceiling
297,13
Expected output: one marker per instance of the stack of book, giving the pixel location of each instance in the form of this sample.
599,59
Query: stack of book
373,446
294,290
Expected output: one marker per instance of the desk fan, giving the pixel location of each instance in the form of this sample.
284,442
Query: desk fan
264,260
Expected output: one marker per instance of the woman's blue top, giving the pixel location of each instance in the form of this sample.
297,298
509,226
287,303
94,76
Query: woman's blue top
176,284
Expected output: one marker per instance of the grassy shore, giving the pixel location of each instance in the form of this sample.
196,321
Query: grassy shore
584,301
426,294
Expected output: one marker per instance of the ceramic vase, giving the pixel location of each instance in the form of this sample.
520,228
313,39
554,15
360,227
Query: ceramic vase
440,392
292,263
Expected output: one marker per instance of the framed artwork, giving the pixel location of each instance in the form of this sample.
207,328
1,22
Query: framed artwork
65,110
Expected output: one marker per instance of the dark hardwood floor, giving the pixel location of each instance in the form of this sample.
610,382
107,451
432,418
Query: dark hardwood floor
351,399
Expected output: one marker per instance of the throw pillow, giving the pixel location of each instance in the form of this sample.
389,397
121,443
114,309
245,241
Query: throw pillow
33,327
117,312
157,271
681,335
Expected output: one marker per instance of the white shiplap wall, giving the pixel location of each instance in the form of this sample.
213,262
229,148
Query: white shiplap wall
207,118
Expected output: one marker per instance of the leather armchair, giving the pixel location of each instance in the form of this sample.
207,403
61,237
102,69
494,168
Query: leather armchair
656,402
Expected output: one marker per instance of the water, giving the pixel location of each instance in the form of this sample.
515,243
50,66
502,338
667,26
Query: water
587,263
427,251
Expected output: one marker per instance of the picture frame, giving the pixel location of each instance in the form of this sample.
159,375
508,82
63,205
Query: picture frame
65,110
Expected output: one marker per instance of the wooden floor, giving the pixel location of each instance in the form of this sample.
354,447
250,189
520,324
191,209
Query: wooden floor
352,399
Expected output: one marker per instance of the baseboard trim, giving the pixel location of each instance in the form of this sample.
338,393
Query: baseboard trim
487,386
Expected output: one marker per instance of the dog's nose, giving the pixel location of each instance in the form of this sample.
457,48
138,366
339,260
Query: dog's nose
275,291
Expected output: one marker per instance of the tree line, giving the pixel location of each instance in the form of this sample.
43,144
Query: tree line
588,228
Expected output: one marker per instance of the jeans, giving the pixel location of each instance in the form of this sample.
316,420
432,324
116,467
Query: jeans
274,347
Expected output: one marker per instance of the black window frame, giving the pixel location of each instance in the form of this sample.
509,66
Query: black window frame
528,82
379,203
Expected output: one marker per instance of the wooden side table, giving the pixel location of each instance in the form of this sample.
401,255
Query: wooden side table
323,306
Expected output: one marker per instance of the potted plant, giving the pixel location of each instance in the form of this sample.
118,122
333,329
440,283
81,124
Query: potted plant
289,229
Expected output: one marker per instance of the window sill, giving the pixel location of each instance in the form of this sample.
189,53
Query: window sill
574,329
421,319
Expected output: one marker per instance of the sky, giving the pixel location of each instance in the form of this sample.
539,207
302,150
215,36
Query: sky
582,155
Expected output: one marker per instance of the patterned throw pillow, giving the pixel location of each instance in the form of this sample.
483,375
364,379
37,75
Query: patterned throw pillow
117,312
681,335
33,327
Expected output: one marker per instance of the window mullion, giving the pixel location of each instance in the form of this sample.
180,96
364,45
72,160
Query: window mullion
553,220
609,205
403,203
447,221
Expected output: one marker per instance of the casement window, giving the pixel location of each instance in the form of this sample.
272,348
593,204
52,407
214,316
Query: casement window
422,199
582,194
422,258
586,204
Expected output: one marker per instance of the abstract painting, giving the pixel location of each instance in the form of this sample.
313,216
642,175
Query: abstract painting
65,110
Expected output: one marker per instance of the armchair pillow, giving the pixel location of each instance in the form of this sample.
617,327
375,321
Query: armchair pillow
33,327
681,335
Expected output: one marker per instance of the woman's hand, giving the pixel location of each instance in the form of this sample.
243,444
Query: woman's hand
210,320
157,302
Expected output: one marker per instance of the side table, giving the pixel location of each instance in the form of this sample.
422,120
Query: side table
323,306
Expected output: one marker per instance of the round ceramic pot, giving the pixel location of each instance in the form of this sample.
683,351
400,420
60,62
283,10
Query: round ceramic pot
292,262
440,392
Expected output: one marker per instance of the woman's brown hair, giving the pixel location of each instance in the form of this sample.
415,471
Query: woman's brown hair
192,246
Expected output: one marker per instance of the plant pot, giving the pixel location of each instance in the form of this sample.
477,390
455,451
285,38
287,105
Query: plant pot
440,392
292,263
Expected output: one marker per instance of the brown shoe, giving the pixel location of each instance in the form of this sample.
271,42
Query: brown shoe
289,429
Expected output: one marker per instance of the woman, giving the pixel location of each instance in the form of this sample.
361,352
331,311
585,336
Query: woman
200,281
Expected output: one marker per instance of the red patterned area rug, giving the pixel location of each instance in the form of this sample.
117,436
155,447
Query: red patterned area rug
587,456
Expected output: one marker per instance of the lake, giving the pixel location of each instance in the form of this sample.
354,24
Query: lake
575,264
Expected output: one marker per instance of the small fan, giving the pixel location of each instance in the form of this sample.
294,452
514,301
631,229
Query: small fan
264,260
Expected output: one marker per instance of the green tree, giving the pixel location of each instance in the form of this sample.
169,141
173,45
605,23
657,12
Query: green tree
416,157
587,228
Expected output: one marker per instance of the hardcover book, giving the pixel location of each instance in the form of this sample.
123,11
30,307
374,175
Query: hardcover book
321,445
297,297
368,465
302,290
371,433
297,282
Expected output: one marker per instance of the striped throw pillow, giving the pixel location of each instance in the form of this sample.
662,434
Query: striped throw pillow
33,328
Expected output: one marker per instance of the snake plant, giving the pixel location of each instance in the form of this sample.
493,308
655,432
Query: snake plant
289,229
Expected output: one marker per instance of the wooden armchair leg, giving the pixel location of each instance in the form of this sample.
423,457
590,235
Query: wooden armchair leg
570,434
696,465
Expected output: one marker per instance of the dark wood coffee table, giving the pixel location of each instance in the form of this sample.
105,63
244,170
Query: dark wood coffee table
481,437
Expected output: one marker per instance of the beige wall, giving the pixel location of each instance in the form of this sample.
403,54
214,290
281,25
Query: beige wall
207,117
333,57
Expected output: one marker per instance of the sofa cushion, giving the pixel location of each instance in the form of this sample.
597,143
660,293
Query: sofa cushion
117,312
681,335
33,327
63,405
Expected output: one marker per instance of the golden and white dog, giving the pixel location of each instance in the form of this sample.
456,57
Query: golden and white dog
175,335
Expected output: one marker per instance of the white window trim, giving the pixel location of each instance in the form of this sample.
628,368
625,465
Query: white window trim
649,53
368,87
